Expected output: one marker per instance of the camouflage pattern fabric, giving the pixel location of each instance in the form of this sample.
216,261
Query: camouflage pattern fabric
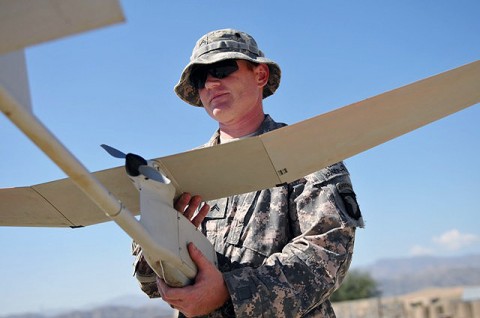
285,250
145,275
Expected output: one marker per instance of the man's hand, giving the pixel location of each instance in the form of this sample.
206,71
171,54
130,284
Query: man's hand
209,292
187,205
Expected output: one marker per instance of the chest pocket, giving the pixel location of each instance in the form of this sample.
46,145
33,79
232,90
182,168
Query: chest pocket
261,223
249,227
241,209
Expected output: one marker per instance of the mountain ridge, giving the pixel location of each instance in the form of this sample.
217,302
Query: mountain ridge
396,276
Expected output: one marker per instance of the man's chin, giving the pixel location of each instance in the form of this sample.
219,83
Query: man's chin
220,112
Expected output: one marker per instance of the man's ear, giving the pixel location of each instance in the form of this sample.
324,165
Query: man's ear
262,72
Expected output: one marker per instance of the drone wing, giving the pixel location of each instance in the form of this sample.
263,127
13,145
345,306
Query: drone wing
294,151
62,204
264,161
27,22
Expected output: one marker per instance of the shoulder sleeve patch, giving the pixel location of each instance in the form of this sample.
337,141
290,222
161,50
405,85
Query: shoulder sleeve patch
324,175
350,200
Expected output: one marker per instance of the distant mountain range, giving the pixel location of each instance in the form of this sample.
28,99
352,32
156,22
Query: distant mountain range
405,275
394,276
108,312
128,306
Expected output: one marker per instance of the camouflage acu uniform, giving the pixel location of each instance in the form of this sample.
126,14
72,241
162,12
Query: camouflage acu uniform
282,251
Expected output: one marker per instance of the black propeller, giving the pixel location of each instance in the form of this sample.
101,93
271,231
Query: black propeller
136,165
153,174
133,163
113,152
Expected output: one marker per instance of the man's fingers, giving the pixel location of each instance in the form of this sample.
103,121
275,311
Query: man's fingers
193,205
197,220
169,294
182,202
208,292
188,205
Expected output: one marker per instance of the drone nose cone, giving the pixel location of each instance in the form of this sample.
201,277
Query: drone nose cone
133,163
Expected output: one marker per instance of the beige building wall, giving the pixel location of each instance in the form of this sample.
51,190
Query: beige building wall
430,303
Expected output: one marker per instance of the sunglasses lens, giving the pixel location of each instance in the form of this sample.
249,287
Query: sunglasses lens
218,70
198,78
222,71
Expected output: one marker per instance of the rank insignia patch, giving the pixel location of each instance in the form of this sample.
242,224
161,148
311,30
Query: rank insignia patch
350,200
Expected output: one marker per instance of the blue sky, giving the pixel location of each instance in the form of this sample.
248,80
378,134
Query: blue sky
418,193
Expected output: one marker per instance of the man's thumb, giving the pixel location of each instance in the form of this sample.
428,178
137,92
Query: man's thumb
197,256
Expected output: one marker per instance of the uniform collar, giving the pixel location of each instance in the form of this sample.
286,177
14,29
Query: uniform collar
267,125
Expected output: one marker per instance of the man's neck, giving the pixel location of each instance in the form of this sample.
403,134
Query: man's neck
244,127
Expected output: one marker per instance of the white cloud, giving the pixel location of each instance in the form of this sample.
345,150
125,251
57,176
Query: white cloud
418,250
454,240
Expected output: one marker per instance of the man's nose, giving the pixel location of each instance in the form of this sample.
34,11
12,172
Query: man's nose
211,81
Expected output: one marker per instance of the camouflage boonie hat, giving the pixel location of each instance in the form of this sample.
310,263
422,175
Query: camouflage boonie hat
221,45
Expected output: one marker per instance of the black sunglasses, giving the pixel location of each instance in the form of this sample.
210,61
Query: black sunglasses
222,69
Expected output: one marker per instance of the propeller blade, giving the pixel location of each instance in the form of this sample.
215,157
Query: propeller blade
153,174
113,152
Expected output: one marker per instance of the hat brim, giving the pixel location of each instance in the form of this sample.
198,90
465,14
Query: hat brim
189,94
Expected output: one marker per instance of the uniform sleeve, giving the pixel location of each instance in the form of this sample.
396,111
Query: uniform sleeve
144,274
309,268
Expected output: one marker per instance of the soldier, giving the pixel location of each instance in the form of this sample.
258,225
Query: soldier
283,251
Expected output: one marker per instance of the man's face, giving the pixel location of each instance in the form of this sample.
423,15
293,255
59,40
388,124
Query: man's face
231,99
